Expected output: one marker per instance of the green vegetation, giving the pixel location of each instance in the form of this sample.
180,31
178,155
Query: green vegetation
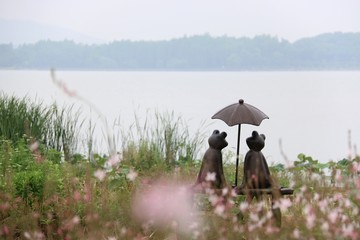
326,51
43,197
56,128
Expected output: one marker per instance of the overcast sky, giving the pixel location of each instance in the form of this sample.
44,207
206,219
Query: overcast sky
165,19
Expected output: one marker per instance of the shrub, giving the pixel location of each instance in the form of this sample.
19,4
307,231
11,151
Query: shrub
29,185
21,158
53,156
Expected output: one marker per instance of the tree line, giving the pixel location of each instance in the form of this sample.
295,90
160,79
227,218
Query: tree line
330,51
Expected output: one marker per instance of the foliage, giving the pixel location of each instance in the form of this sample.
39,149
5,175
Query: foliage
19,117
54,127
29,185
78,205
326,51
309,163
160,144
29,178
42,197
53,156
314,166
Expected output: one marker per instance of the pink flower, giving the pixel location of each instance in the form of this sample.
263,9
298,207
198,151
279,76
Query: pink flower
164,203
34,146
132,175
219,209
210,177
100,174
243,206
357,183
338,175
4,207
296,233
87,195
323,205
283,204
254,217
271,229
113,161
347,203
303,189
214,199
325,226
333,216
338,196
75,220
356,167
310,216
35,235
123,231
349,231
5,230
77,196
310,221
225,191
27,235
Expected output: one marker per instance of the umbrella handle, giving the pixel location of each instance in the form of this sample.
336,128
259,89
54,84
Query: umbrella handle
237,156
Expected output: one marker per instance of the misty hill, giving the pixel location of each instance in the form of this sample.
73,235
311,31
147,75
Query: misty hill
20,32
332,51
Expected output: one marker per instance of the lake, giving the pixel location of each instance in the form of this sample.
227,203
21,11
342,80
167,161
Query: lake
311,112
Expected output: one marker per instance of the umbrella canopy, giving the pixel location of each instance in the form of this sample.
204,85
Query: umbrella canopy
237,114
240,113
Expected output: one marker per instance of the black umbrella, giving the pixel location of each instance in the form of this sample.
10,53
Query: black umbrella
237,114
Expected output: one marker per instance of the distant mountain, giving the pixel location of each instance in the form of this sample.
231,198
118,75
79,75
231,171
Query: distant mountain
331,51
20,32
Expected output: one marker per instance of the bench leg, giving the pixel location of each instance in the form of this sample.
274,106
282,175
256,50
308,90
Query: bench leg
276,211
277,216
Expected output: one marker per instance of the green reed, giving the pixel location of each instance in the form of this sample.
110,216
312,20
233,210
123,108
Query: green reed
56,127
160,139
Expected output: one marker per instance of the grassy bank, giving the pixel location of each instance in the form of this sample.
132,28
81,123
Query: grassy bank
141,191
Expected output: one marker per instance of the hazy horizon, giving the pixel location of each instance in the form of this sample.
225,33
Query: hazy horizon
113,20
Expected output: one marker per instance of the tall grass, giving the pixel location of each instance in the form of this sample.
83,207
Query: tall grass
161,140
63,129
20,117
57,128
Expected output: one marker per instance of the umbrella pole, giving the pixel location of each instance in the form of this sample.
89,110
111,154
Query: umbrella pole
237,155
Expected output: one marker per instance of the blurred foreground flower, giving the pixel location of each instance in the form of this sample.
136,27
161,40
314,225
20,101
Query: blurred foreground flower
210,177
34,236
34,146
165,204
100,174
283,204
132,175
113,161
355,167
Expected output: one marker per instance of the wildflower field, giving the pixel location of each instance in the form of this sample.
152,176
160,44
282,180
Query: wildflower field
141,189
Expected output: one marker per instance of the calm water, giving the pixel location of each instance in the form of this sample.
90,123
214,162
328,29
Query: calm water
311,112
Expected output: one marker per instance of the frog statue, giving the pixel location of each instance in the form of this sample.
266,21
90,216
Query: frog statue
256,170
211,170
257,175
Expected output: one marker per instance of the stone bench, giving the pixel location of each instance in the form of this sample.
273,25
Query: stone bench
282,191
274,192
